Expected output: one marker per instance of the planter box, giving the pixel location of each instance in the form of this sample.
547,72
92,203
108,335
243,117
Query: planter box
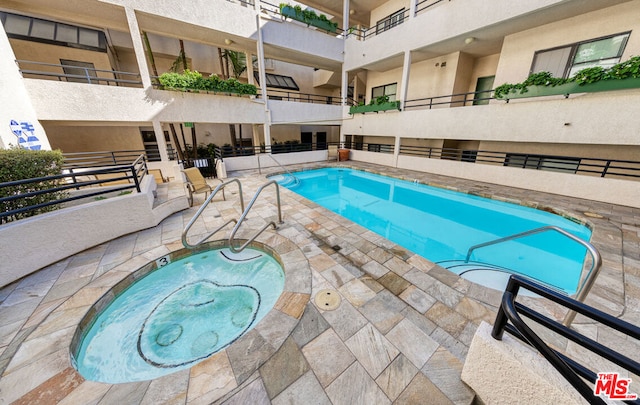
572,88
541,91
361,109
290,12
610,85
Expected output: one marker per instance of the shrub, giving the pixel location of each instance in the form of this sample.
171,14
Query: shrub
193,80
18,164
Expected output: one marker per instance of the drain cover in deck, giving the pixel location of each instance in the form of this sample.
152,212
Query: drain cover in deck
327,300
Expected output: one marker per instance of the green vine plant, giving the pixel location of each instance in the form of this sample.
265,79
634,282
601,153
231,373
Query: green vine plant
306,15
622,70
379,100
193,80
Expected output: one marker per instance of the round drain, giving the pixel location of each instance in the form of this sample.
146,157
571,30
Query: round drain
327,300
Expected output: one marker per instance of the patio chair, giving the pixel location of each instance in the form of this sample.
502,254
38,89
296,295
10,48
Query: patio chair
332,152
109,176
196,184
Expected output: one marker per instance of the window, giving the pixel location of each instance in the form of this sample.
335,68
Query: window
565,61
278,81
539,162
84,69
39,30
386,90
391,21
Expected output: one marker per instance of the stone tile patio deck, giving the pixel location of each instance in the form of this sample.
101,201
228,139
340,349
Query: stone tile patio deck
399,335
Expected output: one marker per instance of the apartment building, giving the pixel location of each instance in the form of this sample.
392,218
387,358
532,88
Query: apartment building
81,76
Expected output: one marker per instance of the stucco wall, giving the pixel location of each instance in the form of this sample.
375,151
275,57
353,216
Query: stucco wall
386,9
615,191
68,102
94,138
47,238
46,53
518,49
508,372
482,67
605,118
430,78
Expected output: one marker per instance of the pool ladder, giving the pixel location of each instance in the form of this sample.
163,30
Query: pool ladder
238,222
587,280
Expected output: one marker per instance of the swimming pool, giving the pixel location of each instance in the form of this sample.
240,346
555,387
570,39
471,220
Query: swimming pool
441,225
170,316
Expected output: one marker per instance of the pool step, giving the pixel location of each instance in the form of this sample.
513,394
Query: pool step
460,266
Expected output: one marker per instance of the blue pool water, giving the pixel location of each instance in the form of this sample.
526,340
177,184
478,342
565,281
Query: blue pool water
178,315
441,225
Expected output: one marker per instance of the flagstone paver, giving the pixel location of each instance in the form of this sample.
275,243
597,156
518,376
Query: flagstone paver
399,335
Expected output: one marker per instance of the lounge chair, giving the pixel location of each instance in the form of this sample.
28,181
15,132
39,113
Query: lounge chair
197,184
157,174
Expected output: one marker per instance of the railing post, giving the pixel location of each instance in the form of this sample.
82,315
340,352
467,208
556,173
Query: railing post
136,181
606,168
511,290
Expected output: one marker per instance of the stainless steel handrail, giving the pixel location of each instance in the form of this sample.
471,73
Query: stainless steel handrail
586,280
297,180
185,243
244,215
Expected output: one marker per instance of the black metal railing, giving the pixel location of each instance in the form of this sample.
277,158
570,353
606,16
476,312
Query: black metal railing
22,193
80,75
274,11
108,158
302,97
425,4
381,26
573,371
275,148
451,100
243,3
565,164
370,146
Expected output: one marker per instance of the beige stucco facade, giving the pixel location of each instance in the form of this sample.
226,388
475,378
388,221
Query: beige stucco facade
434,53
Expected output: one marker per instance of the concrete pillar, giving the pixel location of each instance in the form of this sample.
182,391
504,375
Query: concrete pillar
250,78
263,83
18,118
162,143
412,8
404,84
345,17
138,47
396,150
